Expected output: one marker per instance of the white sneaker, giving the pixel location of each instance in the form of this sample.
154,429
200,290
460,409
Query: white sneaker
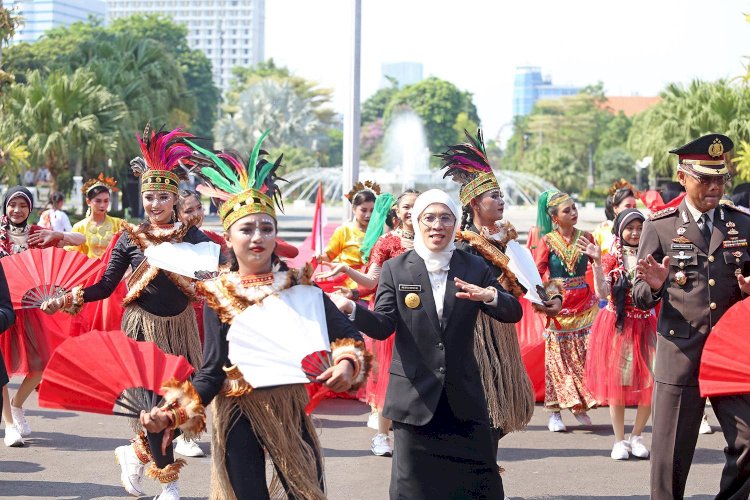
583,418
637,448
705,427
169,491
555,423
187,448
372,421
132,470
13,438
19,419
381,445
620,451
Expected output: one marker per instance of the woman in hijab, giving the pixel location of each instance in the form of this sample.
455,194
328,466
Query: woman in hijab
28,345
623,338
431,297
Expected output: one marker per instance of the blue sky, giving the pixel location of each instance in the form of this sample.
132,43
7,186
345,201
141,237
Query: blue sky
634,46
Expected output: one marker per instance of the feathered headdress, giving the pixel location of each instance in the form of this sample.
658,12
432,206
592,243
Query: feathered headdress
241,188
159,168
467,164
107,182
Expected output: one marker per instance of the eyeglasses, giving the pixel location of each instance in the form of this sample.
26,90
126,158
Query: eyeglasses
707,180
445,220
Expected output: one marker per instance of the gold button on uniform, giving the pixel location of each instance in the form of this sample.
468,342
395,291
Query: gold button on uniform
711,282
412,300
711,258
712,305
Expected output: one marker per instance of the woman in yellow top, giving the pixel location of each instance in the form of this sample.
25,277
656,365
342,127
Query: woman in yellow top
345,243
98,226
100,230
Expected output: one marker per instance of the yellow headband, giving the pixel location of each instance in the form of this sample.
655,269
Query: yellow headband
247,202
159,180
477,186
558,199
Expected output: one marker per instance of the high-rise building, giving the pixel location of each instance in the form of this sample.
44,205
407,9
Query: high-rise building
230,32
40,15
405,73
530,86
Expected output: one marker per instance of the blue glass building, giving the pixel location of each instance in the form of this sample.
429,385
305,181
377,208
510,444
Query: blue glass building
41,15
529,86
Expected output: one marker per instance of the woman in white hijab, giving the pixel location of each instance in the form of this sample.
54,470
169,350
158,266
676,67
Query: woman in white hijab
431,297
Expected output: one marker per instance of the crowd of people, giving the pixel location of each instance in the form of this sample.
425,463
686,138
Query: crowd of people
418,303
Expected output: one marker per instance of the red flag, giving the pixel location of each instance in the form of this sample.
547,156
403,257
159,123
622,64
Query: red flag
319,222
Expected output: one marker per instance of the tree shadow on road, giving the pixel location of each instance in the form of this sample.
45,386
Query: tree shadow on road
608,497
332,453
702,455
326,423
73,442
18,467
72,491
50,414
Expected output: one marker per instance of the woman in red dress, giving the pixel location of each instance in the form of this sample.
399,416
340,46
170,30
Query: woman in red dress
27,345
623,338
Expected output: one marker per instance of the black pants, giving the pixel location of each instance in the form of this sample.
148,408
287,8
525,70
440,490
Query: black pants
246,462
676,419
497,435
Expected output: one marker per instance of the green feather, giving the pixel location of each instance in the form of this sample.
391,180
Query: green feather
261,177
254,158
219,180
228,172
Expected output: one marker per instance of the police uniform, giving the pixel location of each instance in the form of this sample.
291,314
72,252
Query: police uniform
705,258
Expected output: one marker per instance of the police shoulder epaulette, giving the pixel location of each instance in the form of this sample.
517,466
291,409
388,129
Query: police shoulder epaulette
736,208
660,214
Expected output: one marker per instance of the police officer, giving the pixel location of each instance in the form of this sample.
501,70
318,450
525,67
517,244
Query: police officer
694,259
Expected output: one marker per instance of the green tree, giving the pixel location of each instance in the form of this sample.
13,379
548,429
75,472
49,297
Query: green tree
8,25
374,106
438,103
685,113
615,164
243,78
276,105
193,64
67,121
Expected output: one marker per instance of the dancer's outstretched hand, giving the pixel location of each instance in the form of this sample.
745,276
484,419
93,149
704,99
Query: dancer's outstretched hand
474,292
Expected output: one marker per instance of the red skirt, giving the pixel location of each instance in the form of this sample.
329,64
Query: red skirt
619,365
104,315
28,344
377,382
531,342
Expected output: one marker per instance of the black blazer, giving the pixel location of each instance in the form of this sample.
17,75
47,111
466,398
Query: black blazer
428,358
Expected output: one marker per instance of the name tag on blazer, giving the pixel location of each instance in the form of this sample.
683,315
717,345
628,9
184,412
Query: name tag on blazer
409,288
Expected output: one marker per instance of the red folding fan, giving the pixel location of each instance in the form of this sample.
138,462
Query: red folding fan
725,366
314,364
40,274
101,371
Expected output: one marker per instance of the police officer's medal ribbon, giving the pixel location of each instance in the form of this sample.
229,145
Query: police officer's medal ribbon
412,300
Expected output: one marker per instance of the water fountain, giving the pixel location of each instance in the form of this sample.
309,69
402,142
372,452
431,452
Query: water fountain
406,165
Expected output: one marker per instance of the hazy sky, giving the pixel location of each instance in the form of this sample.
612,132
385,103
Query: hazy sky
633,46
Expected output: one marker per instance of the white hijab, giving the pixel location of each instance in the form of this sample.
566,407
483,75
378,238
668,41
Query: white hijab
434,261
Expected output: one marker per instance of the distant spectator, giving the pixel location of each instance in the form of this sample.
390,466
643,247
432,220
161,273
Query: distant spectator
43,175
29,178
53,217
741,195
671,190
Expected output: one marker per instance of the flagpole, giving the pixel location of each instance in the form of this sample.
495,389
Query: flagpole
352,112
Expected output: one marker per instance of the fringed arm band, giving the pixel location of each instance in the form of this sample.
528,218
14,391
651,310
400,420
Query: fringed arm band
73,300
354,351
167,474
184,406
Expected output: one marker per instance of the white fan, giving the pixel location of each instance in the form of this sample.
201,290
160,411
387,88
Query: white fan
269,340
523,266
200,260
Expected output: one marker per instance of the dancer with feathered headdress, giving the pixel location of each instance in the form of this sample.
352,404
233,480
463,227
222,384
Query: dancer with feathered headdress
484,232
157,305
253,375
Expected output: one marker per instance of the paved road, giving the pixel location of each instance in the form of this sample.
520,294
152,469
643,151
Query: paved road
70,456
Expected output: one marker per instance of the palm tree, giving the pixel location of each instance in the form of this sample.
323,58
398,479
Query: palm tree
66,120
276,105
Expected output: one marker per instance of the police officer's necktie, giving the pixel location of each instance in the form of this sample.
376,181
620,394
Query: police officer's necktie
705,230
